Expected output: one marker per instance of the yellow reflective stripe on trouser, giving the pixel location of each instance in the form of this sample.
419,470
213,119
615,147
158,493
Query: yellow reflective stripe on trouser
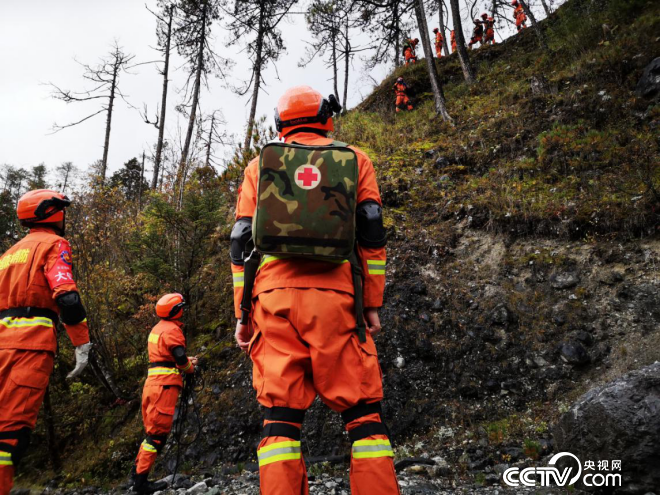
376,267
148,447
239,279
369,449
280,451
5,459
38,321
163,371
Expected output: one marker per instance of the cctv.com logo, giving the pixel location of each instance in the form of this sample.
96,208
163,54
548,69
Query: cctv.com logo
552,476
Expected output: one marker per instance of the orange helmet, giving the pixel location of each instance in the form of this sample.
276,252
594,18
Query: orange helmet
42,206
170,306
484,16
302,106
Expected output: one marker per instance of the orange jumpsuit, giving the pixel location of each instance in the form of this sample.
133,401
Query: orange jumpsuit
453,41
161,390
400,90
490,32
520,17
305,343
438,44
33,273
477,34
409,53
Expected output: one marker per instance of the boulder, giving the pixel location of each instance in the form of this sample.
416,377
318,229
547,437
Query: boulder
618,421
649,84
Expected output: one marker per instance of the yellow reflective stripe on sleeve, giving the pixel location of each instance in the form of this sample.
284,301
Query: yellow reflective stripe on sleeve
376,267
37,321
153,338
148,447
369,449
280,451
187,366
163,371
5,459
239,279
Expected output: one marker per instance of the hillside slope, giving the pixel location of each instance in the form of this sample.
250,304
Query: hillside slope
524,263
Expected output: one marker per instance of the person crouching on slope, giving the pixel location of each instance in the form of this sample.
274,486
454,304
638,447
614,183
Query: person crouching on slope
167,360
401,92
312,319
36,290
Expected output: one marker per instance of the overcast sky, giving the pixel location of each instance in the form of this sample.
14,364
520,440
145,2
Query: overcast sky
41,40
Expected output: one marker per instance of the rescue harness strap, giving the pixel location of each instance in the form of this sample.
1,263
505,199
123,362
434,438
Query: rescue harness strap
360,410
162,364
285,414
251,265
30,312
356,271
366,430
281,430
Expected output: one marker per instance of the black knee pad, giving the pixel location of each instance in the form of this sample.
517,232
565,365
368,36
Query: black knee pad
23,442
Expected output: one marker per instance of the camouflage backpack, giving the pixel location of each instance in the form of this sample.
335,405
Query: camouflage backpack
306,200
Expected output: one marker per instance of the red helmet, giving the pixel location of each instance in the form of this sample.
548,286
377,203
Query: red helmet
484,16
170,306
302,106
515,2
399,79
42,206
435,30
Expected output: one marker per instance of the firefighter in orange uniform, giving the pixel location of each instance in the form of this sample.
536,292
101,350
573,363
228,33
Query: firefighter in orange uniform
519,15
167,360
453,41
489,32
36,290
401,91
438,42
302,336
477,33
409,51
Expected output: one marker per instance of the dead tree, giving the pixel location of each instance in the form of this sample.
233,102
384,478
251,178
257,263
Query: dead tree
436,85
466,66
535,25
105,81
257,20
386,20
442,10
164,33
213,137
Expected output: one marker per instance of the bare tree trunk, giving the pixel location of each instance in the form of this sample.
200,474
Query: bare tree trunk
494,9
163,102
438,95
546,8
141,181
535,25
208,144
195,102
108,121
257,79
441,20
347,60
334,63
468,71
50,432
397,35
104,375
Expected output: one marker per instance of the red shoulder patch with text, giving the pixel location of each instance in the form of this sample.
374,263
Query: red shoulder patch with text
60,273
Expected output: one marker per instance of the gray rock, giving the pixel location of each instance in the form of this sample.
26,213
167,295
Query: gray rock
619,420
564,280
648,85
573,353
442,162
500,468
197,489
500,315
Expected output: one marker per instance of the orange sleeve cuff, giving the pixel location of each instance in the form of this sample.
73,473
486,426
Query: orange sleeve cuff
78,333
187,368
374,265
